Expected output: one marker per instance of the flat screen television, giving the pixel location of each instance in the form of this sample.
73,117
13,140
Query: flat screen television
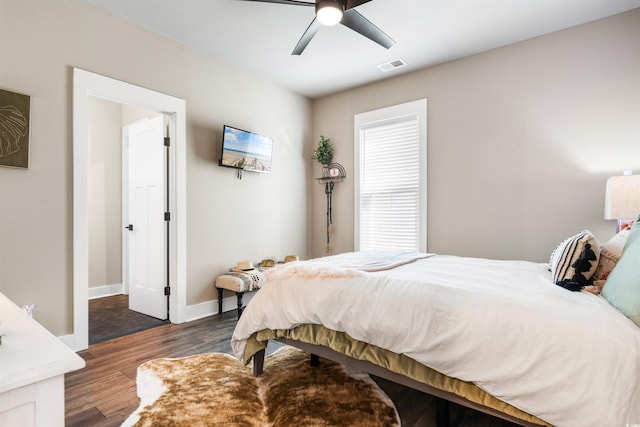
245,150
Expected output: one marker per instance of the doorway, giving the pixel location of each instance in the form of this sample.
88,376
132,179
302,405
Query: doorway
126,185
88,84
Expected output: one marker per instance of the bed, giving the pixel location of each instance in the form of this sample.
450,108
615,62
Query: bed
497,336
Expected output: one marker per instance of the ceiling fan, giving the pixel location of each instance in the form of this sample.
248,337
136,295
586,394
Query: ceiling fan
331,12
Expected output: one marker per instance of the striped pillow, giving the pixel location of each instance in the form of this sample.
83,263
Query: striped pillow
564,257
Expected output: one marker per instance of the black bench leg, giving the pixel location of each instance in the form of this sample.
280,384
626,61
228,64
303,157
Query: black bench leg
239,295
315,360
442,412
220,301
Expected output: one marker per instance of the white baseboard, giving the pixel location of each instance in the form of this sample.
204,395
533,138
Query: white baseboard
105,291
198,311
209,308
69,341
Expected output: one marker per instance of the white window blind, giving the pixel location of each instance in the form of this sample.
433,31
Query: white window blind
390,184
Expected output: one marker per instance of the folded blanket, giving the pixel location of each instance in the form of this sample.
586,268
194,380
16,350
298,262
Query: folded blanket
345,265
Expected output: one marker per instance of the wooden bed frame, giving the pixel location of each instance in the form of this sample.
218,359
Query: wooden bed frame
443,397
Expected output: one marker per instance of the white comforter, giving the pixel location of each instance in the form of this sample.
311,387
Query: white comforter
566,357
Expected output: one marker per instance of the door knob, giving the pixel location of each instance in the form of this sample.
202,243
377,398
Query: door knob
129,227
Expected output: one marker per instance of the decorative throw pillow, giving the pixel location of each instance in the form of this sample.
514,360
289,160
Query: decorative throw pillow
622,288
574,262
610,253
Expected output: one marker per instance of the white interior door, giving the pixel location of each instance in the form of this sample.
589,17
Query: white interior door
146,236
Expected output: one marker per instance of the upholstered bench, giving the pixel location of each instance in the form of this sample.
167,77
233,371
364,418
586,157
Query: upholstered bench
238,282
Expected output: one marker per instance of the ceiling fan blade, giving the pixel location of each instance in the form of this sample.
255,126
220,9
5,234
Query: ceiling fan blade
306,37
362,25
289,2
350,4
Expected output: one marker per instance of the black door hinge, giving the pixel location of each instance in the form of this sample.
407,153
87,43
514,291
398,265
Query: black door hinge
167,290
167,216
167,141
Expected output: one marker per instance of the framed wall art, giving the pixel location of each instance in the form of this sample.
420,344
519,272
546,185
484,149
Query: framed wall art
14,129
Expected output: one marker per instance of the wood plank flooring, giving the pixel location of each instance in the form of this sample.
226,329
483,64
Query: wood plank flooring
104,392
110,317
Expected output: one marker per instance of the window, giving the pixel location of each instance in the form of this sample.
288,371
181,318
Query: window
390,178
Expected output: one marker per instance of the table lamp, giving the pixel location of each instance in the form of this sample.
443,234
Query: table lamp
622,199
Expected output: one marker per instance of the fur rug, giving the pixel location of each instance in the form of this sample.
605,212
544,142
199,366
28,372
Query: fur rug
216,390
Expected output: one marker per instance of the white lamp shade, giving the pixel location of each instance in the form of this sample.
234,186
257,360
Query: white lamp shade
622,199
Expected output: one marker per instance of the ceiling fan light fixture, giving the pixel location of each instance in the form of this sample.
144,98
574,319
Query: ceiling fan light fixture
329,12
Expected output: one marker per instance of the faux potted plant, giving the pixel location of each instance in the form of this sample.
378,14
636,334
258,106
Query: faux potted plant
323,153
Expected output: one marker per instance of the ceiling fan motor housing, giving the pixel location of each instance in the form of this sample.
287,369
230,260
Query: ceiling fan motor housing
329,12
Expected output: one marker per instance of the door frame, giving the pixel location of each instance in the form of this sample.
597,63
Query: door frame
87,84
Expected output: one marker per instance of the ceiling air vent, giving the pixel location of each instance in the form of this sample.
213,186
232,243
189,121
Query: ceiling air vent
392,65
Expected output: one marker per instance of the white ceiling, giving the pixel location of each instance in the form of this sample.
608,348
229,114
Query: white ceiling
259,37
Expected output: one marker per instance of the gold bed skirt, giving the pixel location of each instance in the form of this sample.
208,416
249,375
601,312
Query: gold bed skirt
398,363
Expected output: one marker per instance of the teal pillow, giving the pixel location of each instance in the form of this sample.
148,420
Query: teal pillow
622,288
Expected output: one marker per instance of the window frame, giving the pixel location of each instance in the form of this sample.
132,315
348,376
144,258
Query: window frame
369,119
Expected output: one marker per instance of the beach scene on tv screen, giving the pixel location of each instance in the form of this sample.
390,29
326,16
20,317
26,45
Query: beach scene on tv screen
246,150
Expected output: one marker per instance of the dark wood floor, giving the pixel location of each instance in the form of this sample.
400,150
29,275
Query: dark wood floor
104,392
110,317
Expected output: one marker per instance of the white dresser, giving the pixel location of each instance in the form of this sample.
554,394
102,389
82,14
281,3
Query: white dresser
32,367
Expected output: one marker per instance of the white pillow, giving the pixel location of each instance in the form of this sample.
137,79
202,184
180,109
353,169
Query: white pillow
610,254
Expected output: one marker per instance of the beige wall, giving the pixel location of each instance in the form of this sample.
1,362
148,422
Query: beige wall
227,219
520,141
104,200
